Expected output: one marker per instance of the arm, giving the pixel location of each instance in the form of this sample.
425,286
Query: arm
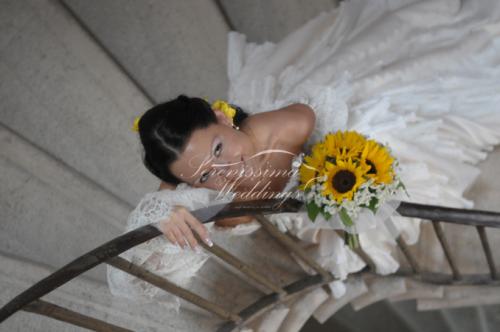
165,258
226,222
233,221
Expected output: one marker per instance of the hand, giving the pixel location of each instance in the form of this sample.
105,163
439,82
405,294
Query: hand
177,228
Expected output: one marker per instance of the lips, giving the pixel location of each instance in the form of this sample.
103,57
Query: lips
243,168
243,163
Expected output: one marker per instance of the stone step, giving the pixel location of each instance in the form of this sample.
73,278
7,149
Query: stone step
465,245
271,20
368,319
428,321
69,98
89,298
462,296
50,213
168,47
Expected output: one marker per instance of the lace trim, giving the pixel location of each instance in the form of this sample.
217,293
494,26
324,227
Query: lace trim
151,209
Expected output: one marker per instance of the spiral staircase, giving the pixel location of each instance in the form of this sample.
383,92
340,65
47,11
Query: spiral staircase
74,75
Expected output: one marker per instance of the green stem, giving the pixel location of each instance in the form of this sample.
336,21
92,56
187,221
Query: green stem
352,240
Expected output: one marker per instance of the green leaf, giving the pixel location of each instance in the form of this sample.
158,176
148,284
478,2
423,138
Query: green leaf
344,216
326,214
312,210
373,204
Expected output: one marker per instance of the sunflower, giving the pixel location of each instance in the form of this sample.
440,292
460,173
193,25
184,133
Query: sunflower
343,179
312,166
380,162
344,145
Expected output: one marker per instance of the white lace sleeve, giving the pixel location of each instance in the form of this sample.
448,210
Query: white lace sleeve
159,255
151,209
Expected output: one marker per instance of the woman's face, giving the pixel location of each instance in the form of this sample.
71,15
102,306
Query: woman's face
214,156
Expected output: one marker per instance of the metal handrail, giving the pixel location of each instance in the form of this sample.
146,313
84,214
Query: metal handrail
29,300
131,239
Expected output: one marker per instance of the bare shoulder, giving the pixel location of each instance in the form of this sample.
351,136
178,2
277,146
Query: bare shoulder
293,123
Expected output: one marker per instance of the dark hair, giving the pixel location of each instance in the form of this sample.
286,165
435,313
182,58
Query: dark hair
165,129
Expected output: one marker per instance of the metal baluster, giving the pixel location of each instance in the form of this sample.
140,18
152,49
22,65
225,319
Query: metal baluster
409,257
29,300
487,251
65,315
292,246
170,287
446,248
240,266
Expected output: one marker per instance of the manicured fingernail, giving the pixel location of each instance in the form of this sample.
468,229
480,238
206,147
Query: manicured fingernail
209,242
197,249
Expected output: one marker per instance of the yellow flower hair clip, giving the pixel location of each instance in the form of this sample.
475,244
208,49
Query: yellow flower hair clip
225,108
219,104
136,124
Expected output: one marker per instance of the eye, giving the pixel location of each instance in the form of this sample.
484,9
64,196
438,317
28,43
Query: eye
204,177
218,149
217,152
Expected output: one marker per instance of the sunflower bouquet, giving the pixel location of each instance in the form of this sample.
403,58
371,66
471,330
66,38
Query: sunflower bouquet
345,173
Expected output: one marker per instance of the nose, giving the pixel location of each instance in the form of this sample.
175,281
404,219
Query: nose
234,166
232,161
234,155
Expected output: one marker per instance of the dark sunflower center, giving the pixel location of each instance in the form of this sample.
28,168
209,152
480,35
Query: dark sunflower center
343,181
372,170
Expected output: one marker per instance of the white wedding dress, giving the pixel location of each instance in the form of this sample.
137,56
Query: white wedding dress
421,76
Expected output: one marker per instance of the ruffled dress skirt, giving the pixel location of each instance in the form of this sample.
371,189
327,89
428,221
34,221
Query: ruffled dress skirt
421,76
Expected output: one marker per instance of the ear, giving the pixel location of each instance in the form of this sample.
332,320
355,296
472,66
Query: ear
222,118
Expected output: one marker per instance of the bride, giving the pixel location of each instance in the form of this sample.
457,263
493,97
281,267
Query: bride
217,154
421,76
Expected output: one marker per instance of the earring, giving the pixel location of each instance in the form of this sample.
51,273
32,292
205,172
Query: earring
236,127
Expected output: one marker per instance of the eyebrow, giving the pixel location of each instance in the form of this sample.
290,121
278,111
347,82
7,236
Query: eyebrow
211,151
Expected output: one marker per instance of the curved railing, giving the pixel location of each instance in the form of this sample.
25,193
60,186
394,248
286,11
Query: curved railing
30,301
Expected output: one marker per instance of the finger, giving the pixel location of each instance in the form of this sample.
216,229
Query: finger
180,237
199,228
188,234
164,225
171,237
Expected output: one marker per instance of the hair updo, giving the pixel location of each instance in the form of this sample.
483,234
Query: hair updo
165,129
